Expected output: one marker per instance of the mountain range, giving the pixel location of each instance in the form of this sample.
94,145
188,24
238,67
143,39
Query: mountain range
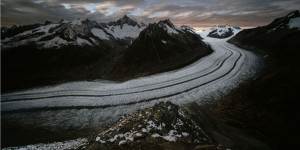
83,49
81,32
265,106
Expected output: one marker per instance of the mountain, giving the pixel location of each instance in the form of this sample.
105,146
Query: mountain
188,28
125,27
153,128
222,31
79,32
270,38
159,47
50,53
269,103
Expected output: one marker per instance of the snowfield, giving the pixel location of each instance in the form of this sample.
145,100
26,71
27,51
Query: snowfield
90,105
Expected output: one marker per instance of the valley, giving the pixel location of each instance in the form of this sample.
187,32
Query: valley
126,84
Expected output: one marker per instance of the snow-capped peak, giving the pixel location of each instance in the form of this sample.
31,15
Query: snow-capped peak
169,26
64,21
187,28
223,31
126,20
167,22
125,27
77,21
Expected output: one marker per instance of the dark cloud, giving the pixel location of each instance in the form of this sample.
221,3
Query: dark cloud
196,13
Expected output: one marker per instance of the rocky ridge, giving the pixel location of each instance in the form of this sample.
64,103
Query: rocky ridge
163,123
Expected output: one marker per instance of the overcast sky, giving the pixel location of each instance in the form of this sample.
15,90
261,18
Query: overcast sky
196,13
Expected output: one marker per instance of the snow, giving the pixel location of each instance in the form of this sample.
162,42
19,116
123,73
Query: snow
94,40
66,21
122,142
221,29
155,135
185,134
39,29
295,23
54,42
9,42
138,134
46,28
77,21
100,33
144,130
187,28
124,31
171,30
71,144
81,41
170,137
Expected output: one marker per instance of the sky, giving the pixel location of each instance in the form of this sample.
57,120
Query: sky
199,14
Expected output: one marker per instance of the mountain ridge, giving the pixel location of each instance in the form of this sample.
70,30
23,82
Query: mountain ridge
66,32
159,47
269,103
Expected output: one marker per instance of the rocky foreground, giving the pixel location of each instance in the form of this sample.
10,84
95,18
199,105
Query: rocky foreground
164,126
168,126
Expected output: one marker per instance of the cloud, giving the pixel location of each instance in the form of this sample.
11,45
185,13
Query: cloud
204,13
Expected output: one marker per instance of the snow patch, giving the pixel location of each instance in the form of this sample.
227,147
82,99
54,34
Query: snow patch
81,41
295,23
100,33
65,21
185,134
171,30
77,21
57,41
124,31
